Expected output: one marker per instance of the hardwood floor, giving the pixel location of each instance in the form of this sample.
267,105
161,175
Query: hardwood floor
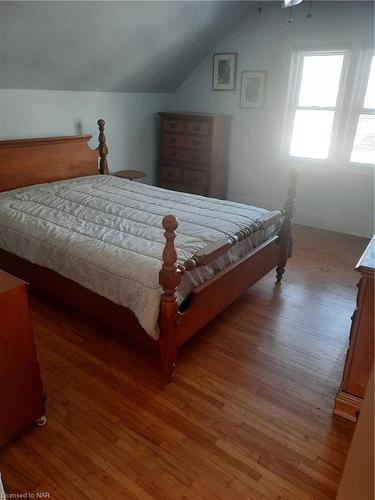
249,414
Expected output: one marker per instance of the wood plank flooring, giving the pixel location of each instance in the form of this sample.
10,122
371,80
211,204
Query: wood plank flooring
248,416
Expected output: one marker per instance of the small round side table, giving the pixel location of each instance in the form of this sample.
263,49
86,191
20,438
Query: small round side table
130,174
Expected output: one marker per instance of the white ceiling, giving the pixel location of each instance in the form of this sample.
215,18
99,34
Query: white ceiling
109,46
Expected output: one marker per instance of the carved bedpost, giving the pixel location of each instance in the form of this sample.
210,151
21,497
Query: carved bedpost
103,150
169,279
286,237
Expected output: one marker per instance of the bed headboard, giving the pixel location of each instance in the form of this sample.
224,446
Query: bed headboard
24,162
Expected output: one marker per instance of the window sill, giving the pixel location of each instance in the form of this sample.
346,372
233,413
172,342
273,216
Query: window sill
311,165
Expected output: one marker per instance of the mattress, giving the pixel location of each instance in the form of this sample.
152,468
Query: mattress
105,233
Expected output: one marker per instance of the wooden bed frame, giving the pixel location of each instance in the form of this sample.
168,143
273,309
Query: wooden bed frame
32,161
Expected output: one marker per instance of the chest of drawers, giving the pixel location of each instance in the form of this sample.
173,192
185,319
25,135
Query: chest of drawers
194,153
360,355
21,393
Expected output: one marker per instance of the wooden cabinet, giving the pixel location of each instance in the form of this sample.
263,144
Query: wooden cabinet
194,153
21,394
360,356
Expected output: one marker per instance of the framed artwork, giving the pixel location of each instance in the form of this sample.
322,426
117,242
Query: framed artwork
224,71
252,89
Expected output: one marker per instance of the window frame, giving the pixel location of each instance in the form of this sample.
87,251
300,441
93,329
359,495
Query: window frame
356,106
294,86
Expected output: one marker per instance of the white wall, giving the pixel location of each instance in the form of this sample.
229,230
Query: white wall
337,200
131,121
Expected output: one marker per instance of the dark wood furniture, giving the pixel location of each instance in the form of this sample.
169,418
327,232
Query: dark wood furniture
28,161
194,153
21,394
130,174
360,356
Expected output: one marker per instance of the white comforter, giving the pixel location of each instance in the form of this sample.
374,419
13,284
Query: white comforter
105,233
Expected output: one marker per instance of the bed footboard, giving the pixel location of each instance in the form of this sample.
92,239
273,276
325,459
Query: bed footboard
215,295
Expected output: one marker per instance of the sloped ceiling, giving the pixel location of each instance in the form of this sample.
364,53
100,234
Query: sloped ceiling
109,46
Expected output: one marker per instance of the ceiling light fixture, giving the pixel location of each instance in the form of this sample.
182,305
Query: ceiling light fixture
285,4
289,3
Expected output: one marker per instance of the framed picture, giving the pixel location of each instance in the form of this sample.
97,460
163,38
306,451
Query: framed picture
224,71
252,89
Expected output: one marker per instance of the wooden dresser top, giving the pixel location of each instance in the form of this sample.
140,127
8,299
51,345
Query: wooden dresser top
9,282
366,264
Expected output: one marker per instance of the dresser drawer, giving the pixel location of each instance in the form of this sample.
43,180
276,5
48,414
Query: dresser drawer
170,174
195,156
170,154
184,188
192,156
197,127
173,125
186,141
195,177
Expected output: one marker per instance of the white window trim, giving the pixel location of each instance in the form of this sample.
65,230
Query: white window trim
356,106
349,105
292,105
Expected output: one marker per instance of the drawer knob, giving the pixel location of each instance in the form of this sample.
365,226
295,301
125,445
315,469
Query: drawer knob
173,124
196,128
196,142
172,140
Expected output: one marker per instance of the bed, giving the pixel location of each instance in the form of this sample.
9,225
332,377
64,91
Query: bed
95,241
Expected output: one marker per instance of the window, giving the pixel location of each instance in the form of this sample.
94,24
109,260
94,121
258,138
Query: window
329,113
363,150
